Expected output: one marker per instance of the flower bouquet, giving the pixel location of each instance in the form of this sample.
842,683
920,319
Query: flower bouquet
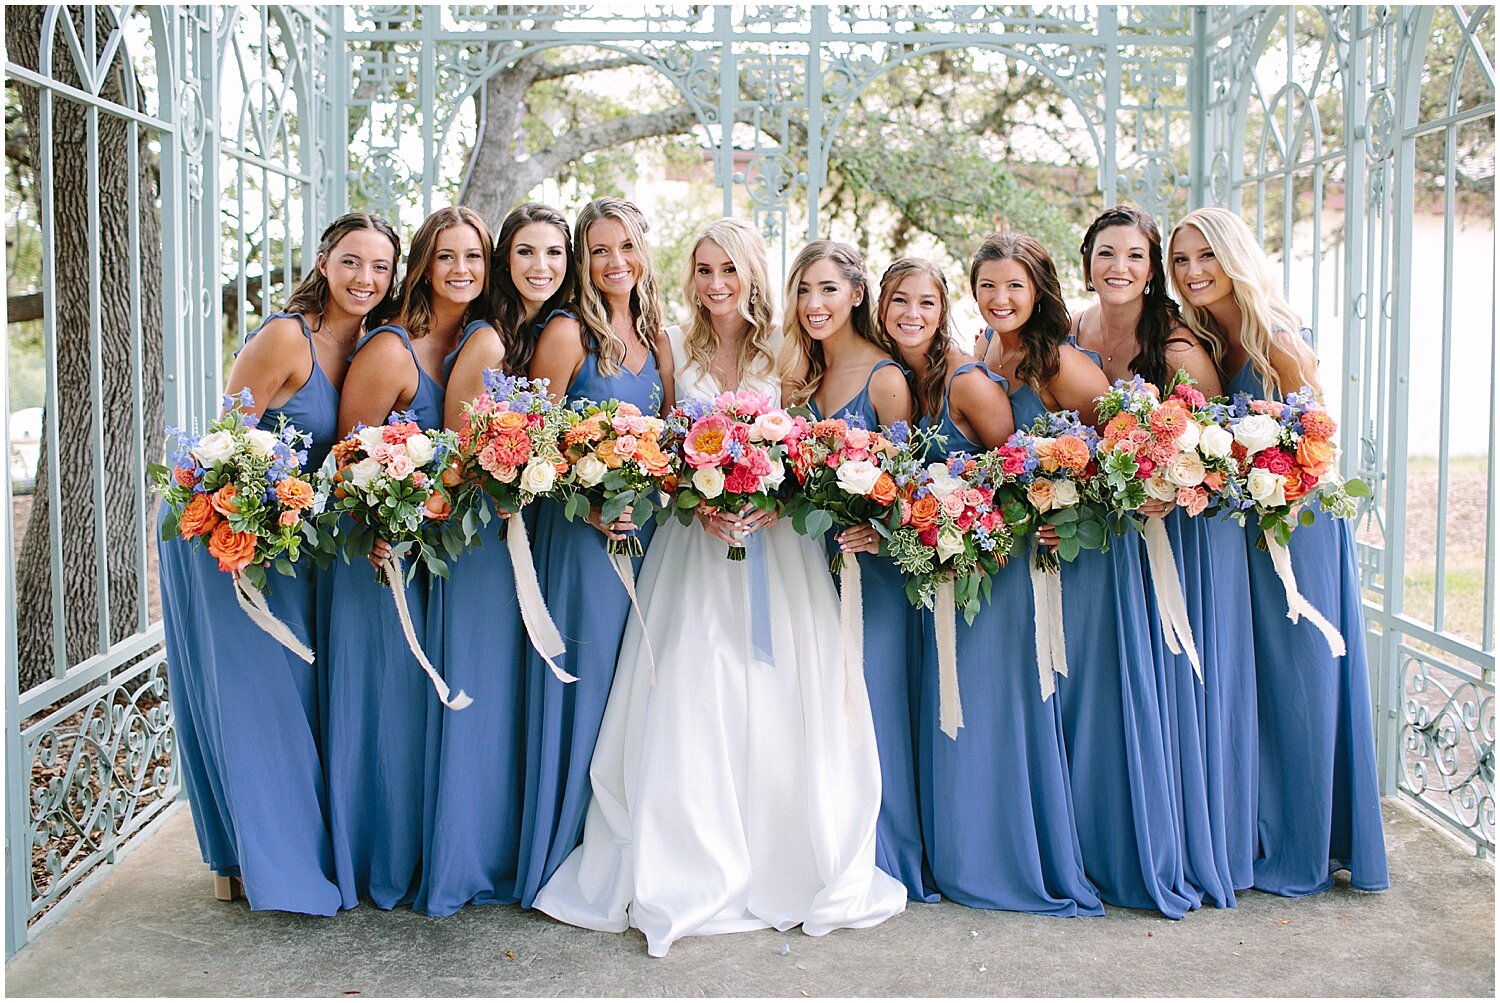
615,461
509,448
952,538
1286,455
736,449
842,477
239,489
387,481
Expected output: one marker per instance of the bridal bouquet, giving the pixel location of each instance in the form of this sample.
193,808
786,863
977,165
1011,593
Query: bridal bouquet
388,480
509,446
615,460
1174,449
1286,454
844,476
239,489
1049,472
736,448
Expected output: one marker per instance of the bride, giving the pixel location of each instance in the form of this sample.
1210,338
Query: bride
735,788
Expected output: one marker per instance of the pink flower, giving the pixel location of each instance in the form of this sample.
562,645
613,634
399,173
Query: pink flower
707,441
1191,395
858,438
399,432
742,480
625,445
400,467
973,497
953,504
289,518
1195,500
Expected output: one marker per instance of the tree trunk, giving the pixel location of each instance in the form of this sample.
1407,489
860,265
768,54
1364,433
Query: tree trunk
73,241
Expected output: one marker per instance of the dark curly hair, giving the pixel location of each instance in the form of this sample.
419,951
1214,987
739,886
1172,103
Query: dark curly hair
1159,315
1047,328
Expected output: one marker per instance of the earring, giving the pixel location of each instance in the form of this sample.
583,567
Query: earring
697,302
754,295
1088,284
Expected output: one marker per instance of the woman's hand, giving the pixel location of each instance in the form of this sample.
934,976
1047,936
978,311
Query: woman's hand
1155,508
620,529
859,540
1046,535
751,519
716,525
380,553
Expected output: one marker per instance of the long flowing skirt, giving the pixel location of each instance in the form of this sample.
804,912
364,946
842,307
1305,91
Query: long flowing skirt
736,781
1319,796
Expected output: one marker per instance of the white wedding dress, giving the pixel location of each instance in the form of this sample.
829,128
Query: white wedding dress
732,791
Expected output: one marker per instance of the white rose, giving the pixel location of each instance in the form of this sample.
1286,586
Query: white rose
1257,431
1188,440
1160,488
772,426
950,543
590,470
1186,471
943,483
773,480
537,478
215,447
262,443
709,481
1266,487
419,450
365,471
1215,441
858,477
370,436
1064,493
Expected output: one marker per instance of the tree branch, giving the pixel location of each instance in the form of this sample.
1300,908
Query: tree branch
555,71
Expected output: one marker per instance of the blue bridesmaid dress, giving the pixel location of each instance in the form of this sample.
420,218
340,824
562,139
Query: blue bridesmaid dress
246,709
1113,705
472,830
1209,721
1319,799
892,654
589,606
375,721
997,805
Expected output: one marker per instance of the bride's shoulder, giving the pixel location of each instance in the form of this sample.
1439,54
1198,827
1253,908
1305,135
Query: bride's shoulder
677,338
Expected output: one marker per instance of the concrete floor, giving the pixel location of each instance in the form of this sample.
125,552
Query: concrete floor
153,928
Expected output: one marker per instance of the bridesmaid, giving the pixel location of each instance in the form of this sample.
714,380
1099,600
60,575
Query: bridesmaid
472,836
1135,327
997,809
616,348
835,341
1319,800
245,709
377,717
1113,700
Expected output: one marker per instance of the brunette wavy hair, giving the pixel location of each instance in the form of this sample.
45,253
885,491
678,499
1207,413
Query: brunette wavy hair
802,361
930,385
415,302
1159,314
311,294
507,306
1046,330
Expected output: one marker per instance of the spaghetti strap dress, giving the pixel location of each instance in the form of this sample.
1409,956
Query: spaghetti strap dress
375,721
997,804
892,656
590,606
472,828
1114,725
1319,798
246,710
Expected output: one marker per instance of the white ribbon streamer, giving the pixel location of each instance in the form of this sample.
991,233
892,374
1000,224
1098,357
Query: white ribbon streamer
626,573
1051,648
1297,605
944,614
851,622
392,569
540,629
255,607
1170,604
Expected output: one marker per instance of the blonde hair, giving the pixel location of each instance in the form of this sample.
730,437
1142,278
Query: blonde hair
414,308
1266,318
746,249
598,336
802,362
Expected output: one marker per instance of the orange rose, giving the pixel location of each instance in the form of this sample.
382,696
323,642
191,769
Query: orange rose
223,500
453,474
607,455
509,420
197,518
436,508
295,493
234,550
652,458
1316,455
884,491
1294,488
924,512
